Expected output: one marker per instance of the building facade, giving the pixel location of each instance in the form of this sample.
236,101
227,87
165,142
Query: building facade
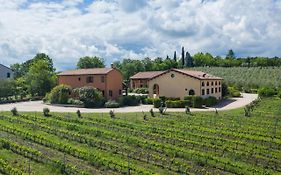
181,82
140,80
5,73
108,80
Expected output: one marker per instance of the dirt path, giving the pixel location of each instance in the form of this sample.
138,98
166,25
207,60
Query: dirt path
37,106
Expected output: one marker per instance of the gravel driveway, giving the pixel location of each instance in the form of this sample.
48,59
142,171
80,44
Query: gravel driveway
37,106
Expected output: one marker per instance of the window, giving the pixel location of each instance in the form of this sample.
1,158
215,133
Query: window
110,93
120,92
207,83
219,83
208,91
216,83
212,83
172,75
191,92
90,79
102,79
203,91
8,75
203,84
212,90
216,90
219,89
79,79
102,93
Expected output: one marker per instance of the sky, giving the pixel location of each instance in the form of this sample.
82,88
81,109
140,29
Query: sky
116,29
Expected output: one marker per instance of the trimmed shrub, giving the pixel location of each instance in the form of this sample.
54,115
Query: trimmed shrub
149,101
266,92
112,114
90,96
197,102
46,112
78,114
177,103
112,104
75,102
128,101
14,111
279,93
234,92
141,90
157,102
210,101
59,95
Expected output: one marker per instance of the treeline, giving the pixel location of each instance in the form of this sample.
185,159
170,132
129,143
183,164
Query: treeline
131,66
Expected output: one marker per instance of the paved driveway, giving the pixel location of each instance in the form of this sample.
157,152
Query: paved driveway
38,106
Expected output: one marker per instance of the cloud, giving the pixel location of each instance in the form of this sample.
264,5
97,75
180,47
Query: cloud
116,29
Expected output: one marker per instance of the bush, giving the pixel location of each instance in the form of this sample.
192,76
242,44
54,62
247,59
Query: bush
177,103
46,112
197,102
59,95
266,92
75,102
112,114
14,111
234,92
141,90
157,102
112,104
90,96
279,93
78,114
148,101
128,101
210,101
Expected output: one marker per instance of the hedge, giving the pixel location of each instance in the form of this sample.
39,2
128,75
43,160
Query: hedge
177,103
210,101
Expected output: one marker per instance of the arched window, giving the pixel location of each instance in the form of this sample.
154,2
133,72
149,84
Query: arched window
156,89
191,92
203,83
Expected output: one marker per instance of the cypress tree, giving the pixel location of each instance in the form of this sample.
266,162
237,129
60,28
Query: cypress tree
175,56
182,56
189,60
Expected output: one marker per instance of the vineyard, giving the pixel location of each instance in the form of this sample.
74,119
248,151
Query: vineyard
176,143
252,77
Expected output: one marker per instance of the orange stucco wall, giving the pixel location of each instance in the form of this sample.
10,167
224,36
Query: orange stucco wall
112,81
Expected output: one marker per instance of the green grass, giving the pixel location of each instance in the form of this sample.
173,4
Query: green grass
175,143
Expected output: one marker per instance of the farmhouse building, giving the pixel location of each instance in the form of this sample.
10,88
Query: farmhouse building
5,72
182,82
107,80
140,80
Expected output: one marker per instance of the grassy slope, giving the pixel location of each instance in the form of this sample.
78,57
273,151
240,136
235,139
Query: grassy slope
201,143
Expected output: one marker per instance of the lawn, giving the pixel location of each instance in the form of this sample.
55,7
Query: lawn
175,143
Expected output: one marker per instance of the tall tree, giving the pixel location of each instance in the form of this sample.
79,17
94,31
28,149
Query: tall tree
40,79
21,70
189,60
175,56
182,56
90,62
230,54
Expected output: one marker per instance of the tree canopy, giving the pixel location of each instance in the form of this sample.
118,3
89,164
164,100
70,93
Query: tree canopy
90,62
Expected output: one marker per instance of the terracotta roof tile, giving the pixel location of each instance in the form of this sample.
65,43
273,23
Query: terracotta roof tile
197,74
92,71
146,75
